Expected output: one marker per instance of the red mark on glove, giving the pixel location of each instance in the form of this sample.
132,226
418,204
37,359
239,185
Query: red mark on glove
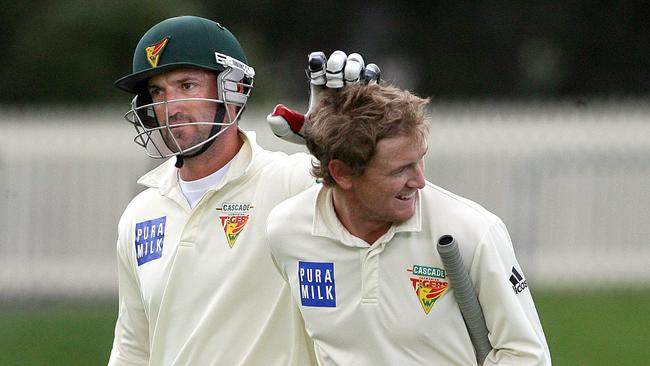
295,119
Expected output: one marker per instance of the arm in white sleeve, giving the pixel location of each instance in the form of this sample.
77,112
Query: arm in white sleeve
131,342
515,331
277,262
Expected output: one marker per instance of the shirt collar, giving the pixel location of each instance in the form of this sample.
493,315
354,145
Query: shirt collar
165,178
327,224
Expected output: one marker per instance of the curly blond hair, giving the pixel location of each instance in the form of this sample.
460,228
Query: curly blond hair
348,124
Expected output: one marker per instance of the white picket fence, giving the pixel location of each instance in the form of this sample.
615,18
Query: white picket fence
571,184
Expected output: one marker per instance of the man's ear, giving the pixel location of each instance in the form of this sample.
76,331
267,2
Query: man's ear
341,173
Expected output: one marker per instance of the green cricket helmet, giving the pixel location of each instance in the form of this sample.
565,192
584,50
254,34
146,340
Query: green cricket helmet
185,42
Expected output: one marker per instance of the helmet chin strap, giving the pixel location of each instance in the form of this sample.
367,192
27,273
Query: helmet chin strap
218,118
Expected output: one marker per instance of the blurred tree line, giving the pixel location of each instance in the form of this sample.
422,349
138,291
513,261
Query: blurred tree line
71,51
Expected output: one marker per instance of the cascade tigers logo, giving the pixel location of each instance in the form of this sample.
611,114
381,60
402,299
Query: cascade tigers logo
154,52
429,284
233,217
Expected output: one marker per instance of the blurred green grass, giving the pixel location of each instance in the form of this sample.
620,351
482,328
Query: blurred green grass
590,327
47,333
596,326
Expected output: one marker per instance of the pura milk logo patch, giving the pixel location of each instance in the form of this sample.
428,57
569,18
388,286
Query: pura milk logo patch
317,285
149,239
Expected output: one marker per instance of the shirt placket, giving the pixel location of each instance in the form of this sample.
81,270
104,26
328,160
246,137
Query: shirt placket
370,273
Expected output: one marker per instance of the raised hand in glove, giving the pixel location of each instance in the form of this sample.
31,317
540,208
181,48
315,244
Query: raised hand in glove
333,73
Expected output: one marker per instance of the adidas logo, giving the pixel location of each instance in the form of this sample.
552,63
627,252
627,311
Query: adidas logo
518,281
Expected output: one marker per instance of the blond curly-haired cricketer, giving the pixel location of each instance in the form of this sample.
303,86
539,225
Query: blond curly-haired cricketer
359,250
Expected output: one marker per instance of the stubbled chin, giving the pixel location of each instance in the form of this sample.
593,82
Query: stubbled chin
405,208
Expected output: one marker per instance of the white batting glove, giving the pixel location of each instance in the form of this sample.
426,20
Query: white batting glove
333,73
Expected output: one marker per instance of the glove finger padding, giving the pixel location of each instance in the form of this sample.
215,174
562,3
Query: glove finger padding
353,68
340,69
335,72
371,73
316,68
335,67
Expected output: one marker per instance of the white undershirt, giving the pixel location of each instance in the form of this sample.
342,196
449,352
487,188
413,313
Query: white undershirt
195,189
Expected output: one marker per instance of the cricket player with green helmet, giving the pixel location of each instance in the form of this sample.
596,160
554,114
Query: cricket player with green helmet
194,43
196,282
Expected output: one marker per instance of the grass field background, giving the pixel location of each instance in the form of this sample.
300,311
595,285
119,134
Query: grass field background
593,327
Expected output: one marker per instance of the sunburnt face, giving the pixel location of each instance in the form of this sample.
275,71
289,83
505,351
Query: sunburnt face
184,83
385,193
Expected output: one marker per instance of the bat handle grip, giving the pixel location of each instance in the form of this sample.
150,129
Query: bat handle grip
465,296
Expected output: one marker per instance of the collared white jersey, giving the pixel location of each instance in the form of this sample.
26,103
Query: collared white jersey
390,303
197,286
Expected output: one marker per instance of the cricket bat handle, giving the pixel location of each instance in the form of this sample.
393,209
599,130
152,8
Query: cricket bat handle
465,296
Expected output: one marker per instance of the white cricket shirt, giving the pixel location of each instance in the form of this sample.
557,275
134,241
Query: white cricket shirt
389,303
197,286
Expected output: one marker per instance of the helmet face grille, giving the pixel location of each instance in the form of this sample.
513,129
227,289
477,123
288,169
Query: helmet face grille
158,138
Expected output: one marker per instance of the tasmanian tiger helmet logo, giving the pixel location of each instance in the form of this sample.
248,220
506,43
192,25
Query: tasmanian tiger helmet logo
154,52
